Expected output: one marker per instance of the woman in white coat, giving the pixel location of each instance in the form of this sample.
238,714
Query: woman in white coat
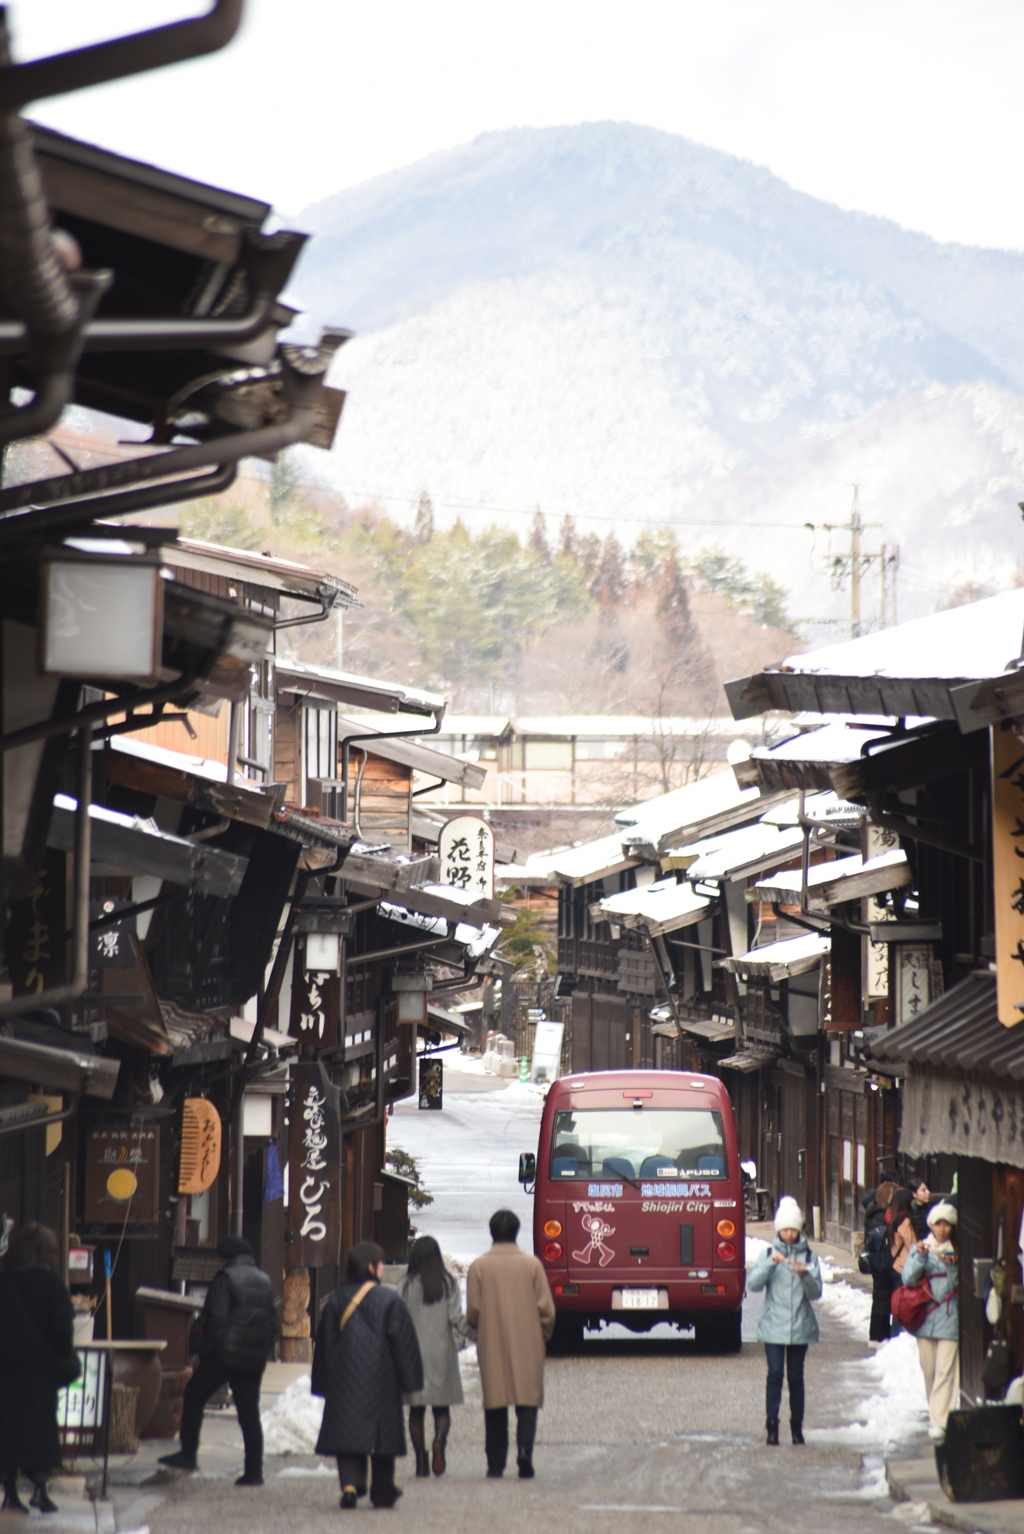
431,1295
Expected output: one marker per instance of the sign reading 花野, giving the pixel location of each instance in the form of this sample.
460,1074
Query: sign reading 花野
465,849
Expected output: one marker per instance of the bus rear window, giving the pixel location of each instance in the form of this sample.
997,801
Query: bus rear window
628,1142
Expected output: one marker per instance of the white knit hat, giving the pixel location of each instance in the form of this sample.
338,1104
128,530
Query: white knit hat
942,1211
789,1215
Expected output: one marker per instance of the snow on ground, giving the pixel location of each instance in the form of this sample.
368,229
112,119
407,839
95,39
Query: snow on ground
292,1424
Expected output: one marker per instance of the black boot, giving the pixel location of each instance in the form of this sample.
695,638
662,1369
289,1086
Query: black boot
180,1461
12,1502
772,1424
797,1430
439,1460
422,1462
41,1498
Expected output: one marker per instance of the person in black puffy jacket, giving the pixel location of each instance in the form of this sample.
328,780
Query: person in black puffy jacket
234,1336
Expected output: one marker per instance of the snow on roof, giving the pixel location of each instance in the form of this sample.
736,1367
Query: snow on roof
736,854
779,961
345,687
588,862
199,766
624,726
829,884
711,804
905,670
838,741
660,907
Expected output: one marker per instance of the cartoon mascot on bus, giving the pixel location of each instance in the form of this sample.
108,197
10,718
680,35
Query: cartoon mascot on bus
597,1229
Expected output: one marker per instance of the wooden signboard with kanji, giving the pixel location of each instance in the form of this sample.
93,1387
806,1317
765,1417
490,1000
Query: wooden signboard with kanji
122,1174
1008,872
314,1168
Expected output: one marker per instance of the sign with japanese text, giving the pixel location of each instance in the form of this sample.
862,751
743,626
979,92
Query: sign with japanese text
913,973
876,955
122,1174
953,1116
1008,872
35,936
314,1168
316,1003
466,852
200,1146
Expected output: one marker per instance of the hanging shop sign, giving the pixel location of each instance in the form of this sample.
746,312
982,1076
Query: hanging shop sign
314,1161
431,1083
466,852
875,983
122,1174
1008,873
200,1146
34,942
316,1003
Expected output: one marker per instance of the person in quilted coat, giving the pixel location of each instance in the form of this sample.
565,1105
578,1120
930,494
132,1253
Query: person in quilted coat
938,1337
366,1356
791,1274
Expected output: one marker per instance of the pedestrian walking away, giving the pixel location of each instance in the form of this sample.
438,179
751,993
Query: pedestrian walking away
37,1327
234,1336
509,1304
790,1274
366,1357
431,1296
938,1337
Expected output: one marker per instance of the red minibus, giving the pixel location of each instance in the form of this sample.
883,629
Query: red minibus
638,1217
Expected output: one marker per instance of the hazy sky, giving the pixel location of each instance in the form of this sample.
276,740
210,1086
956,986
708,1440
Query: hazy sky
906,108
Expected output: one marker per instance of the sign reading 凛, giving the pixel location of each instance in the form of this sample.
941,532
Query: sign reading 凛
314,1157
466,852
1008,872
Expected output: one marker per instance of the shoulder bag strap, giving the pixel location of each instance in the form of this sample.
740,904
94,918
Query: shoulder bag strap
354,1304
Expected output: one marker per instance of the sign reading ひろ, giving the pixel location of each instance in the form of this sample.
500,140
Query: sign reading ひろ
466,852
314,1168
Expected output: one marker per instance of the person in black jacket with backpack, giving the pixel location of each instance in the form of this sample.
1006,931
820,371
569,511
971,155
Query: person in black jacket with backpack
234,1336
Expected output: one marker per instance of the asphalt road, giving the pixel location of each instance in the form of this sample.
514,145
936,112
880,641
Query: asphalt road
635,1433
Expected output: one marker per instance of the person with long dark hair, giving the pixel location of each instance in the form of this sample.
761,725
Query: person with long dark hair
37,1329
432,1297
902,1237
366,1356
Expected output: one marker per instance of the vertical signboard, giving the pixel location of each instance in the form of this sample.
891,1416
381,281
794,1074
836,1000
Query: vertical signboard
1008,872
314,1176
876,955
316,1003
466,852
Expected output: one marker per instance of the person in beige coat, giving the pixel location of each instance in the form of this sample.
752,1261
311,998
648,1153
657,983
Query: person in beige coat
509,1303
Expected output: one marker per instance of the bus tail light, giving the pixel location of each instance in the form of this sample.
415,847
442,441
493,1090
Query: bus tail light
727,1250
553,1251
724,1228
553,1228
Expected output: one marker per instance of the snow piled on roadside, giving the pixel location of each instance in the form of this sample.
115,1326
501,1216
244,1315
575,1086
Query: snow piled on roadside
292,1424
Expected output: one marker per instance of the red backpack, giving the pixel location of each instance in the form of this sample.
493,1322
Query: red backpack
910,1304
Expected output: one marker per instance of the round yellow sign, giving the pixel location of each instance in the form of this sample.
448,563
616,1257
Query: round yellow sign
122,1185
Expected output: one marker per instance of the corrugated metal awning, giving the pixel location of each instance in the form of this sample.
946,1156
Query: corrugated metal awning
960,1031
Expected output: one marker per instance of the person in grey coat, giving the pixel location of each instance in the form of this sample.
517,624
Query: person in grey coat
790,1273
366,1355
938,1336
432,1297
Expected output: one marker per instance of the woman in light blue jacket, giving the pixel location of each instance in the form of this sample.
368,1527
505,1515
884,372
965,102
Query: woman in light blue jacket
790,1273
938,1337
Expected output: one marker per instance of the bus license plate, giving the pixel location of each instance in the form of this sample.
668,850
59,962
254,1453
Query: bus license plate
639,1299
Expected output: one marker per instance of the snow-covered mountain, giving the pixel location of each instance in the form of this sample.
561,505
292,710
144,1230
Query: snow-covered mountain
616,322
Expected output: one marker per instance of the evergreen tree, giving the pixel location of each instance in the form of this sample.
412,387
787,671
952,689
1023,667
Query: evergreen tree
648,553
423,526
538,538
568,539
610,581
588,557
673,606
283,478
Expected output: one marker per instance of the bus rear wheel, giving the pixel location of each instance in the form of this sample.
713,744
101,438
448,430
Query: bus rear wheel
721,1333
568,1333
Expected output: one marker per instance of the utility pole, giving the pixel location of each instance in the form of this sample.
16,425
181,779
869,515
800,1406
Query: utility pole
858,562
